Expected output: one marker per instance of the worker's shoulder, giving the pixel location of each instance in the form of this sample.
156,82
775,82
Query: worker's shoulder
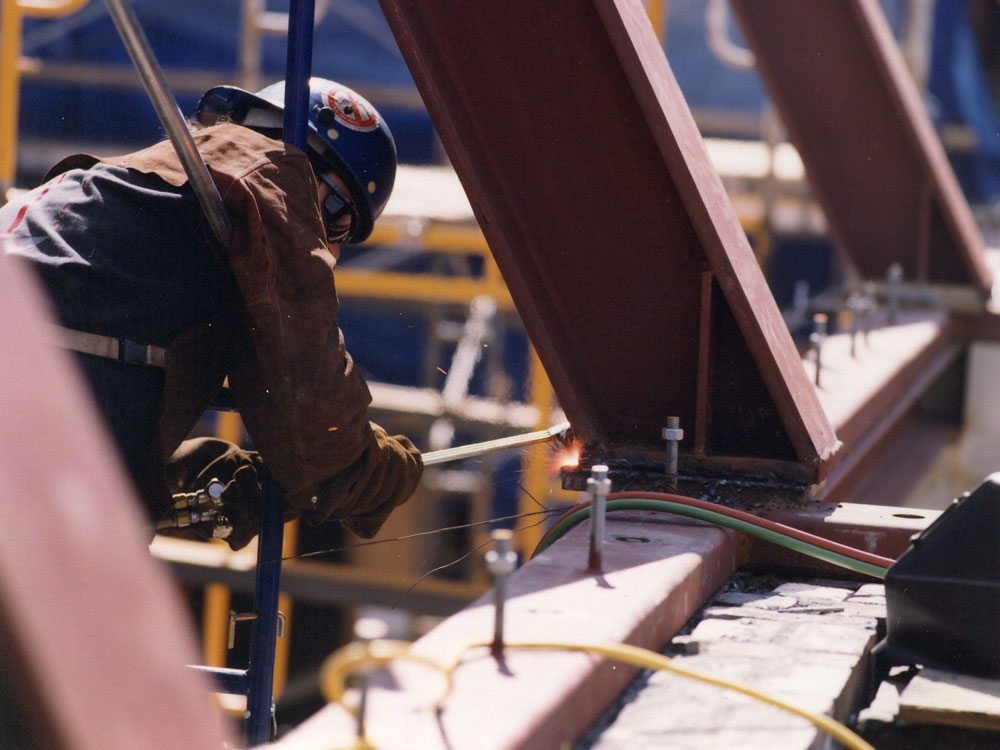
236,151
231,152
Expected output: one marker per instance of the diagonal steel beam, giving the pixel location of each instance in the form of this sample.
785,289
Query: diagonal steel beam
874,161
613,232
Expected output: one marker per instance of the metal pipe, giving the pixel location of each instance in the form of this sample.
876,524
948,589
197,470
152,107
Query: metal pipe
171,119
816,339
12,14
717,34
558,432
260,674
469,351
298,69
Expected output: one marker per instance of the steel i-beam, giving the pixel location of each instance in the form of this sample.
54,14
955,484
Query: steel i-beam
614,233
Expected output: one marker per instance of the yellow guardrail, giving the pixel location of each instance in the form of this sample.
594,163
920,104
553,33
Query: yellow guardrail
11,22
456,239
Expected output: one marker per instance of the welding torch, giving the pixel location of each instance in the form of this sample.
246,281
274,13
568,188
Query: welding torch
561,433
201,506
205,506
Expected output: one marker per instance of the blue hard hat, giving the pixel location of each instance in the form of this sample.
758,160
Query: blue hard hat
346,134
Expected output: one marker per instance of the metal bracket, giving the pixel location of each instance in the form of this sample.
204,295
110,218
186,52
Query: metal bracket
235,617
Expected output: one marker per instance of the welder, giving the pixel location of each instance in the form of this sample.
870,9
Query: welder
161,314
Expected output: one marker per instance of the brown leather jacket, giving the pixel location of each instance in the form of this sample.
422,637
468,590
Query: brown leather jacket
303,401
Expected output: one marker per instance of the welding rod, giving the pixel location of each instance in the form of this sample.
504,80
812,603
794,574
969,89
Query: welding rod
170,117
558,432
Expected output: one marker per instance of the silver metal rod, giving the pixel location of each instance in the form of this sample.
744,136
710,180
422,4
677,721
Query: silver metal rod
599,485
501,561
673,434
559,431
171,118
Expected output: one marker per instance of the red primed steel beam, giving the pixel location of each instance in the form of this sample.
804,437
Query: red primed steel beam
881,530
93,631
872,394
982,327
612,229
656,575
875,163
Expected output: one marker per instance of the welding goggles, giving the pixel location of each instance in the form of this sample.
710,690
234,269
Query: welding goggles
335,207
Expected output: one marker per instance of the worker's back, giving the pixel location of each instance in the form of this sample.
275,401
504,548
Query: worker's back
122,254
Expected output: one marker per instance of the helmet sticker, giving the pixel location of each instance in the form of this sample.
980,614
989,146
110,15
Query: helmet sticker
352,110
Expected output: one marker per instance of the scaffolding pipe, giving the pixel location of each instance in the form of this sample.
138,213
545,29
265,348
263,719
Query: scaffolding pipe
298,69
171,119
11,17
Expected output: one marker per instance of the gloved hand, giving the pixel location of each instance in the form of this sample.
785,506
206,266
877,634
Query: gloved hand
363,496
197,462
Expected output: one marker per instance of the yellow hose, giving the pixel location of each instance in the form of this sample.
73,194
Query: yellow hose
367,657
641,657
370,657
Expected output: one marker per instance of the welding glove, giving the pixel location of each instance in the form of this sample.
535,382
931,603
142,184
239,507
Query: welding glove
197,462
362,496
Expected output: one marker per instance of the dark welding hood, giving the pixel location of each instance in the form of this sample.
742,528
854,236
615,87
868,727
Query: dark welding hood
943,593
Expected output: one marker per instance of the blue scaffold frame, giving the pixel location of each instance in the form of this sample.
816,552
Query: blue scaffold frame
256,681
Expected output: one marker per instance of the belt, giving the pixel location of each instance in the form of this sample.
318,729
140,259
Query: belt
121,350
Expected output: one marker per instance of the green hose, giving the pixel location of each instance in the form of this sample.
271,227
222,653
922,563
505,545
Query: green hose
720,519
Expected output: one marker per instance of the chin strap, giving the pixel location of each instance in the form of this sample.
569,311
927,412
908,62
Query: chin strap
121,350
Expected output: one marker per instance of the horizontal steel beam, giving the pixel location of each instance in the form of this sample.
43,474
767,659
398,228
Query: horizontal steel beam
655,577
881,530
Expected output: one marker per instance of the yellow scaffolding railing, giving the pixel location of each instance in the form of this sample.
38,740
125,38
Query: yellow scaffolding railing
11,23
459,238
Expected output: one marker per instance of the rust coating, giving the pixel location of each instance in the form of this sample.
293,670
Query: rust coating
612,229
881,530
656,575
874,161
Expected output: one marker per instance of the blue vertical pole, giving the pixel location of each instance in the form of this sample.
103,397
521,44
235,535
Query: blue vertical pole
298,69
260,673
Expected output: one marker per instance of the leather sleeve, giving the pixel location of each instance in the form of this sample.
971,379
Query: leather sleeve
296,386
385,477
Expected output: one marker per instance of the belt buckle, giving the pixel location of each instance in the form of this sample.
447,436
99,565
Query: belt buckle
131,353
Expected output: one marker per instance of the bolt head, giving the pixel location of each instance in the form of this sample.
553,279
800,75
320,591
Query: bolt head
501,564
370,628
599,472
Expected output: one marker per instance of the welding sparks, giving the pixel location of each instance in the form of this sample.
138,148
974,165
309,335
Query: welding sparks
440,371
566,457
